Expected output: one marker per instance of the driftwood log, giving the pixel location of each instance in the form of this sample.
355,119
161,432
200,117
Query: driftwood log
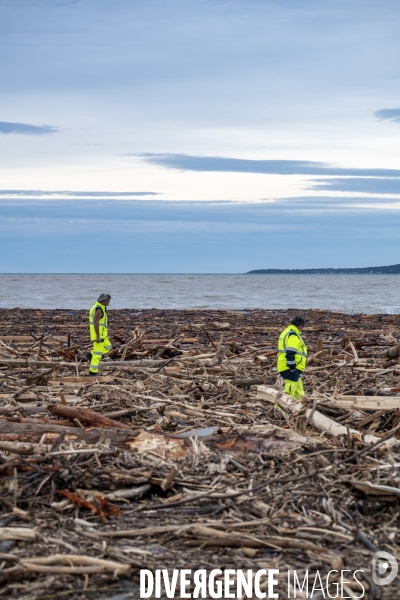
85,416
10,432
317,419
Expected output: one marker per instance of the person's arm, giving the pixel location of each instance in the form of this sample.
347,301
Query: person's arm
96,323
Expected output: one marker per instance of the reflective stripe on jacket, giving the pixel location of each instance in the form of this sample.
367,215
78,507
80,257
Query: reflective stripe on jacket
292,351
103,323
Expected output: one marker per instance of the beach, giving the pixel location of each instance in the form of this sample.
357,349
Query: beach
174,457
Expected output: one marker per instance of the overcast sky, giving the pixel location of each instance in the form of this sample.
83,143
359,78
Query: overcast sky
198,135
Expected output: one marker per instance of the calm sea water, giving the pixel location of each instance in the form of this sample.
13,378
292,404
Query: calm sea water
345,293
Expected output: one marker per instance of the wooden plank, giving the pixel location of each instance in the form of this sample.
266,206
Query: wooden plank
373,417
380,371
366,402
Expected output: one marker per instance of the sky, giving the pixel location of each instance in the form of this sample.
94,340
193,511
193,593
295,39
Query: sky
198,135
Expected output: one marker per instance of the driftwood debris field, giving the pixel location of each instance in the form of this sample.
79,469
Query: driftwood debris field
177,456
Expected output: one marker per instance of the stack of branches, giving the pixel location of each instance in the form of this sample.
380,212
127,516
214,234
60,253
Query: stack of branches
179,444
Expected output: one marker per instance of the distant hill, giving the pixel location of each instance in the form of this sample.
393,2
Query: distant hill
389,270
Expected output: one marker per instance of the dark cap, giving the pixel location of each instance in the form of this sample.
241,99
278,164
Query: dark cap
297,321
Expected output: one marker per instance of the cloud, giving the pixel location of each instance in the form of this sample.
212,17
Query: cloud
155,236
366,185
388,114
187,162
69,194
26,129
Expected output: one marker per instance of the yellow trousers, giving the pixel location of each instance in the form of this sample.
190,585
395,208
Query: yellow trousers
97,354
294,389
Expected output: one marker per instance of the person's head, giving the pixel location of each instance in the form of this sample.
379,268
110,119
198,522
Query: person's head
104,299
298,322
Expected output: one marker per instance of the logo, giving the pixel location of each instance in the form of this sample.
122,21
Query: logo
382,562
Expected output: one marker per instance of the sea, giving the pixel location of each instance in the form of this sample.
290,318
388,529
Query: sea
369,294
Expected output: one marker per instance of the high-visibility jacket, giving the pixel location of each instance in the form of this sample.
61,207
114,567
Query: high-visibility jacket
103,323
292,351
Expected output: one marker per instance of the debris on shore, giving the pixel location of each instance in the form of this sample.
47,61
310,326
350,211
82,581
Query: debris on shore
177,456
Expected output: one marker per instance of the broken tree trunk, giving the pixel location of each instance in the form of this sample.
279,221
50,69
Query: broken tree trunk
85,416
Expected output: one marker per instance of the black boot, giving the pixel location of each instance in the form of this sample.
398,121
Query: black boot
89,356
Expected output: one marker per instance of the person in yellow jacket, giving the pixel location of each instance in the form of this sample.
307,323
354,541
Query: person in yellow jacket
98,325
292,357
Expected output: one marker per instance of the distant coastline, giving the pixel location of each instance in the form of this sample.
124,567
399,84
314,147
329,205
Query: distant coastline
388,270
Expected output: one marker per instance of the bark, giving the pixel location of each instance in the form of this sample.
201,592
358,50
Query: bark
85,416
